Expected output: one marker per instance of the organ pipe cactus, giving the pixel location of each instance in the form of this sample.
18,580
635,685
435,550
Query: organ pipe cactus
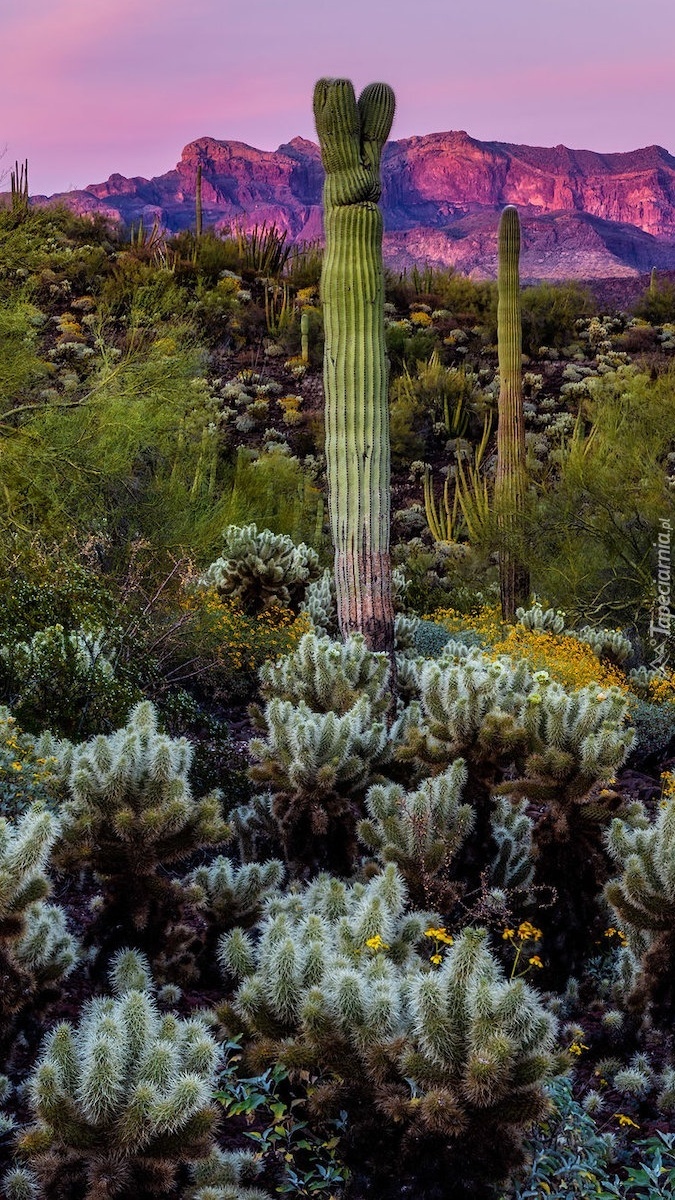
511,481
355,375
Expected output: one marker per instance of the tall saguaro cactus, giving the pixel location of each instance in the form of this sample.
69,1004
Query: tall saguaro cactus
511,482
352,136
198,201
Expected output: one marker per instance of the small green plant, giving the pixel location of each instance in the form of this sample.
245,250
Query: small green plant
309,1164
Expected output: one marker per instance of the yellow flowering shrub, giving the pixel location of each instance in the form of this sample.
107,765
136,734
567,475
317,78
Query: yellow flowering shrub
233,644
662,691
570,662
421,319
24,775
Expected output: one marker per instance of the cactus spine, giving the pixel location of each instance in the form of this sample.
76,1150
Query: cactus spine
355,376
304,336
198,201
514,581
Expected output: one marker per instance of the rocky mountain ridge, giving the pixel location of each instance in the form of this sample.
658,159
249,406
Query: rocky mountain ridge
584,214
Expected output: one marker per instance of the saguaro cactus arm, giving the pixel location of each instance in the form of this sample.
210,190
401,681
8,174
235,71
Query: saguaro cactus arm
355,367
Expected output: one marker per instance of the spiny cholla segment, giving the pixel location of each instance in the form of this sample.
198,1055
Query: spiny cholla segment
35,945
130,809
261,568
329,676
643,897
337,978
233,895
481,708
123,1098
420,831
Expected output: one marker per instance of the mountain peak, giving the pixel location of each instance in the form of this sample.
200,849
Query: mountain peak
585,213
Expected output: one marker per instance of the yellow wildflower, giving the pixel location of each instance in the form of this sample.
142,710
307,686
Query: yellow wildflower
376,943
624,1120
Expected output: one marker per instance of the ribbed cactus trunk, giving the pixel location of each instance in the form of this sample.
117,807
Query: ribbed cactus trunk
511,482
304,337
355,365
653,282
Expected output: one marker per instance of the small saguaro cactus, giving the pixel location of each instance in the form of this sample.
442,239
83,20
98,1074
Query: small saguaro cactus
511,481
198,201
355,369
304,337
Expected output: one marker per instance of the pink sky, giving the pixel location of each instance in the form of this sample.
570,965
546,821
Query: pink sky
88,87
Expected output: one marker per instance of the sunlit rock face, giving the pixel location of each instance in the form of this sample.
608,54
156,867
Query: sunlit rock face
584,215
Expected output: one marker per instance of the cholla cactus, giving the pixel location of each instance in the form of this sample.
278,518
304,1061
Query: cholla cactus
425,1060
131,814
421,832
550,621
228,895
643,898
329,676
317,764
261,568
226,1175
321,605
506,721
641,678
36,948
605,643
122,1099
513,865
492,711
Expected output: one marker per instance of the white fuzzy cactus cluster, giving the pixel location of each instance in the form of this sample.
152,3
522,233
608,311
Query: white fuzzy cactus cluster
123,1098
305,751
338,975
547,621
477,707
329,676
644,895
227,1175
261,568
233,895
81,649
35,945
130,809
605,643
421,831
513,866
